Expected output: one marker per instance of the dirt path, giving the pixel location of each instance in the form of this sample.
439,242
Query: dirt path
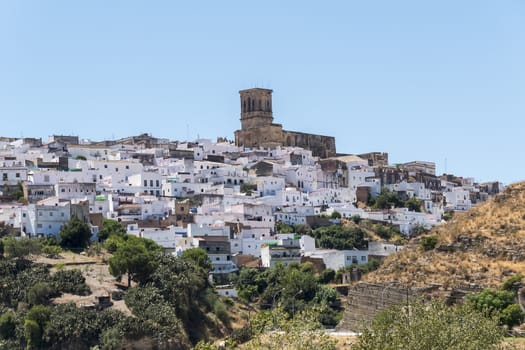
95,271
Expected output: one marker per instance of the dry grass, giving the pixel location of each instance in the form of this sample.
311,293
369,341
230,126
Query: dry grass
482,246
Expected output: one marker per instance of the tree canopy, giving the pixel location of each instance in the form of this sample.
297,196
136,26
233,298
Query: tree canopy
294,288
74,234
136,257
199,257
109,228
427,326
338,237
20,247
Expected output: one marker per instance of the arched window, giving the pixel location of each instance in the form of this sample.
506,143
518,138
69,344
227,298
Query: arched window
260,105
244,106
249,105
253,105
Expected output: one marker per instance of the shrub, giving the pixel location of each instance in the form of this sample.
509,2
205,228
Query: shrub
51,251
242,335
512,315
111,339
40,314
7,325
356,218
19,248
221,311
512,283
33,334
40,293
429,242
430,326
326,276
335,215
448,216
75,234
71,281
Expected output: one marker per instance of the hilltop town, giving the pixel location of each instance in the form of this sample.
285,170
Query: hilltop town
227,197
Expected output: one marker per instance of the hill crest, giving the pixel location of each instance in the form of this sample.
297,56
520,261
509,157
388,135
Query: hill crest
481,247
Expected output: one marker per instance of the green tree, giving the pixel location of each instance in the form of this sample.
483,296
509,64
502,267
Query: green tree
111,228
512,315
448,216
337,237
40,293
513,283
7,325
20,247
327,276
491,300
147,303
33,334
428,242
51,251
111,339
386,200
282,227
111,244
499,303
40,314
275,329
199,257
335,215
135,257
413,204
75,234
431,325
70,281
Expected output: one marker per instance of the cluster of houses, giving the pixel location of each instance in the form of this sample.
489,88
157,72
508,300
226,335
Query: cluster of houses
217,196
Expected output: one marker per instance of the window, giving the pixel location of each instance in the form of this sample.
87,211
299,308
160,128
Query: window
217,259
363,258
39,225
63,190
50,213
4,176
127,166
150,183
105,166
100,177
17,175
24,215
145,183
39,213
158,183
62,214
116,169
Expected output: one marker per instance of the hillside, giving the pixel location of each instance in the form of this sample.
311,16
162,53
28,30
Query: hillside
481,247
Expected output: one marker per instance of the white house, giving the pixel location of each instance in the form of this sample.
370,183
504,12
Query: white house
337,259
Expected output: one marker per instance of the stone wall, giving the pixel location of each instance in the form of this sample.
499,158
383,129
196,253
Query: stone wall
365,300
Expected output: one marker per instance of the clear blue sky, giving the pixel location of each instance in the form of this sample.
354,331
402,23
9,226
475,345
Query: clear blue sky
441,81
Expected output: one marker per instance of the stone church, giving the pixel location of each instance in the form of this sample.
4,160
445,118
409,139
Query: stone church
259,130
